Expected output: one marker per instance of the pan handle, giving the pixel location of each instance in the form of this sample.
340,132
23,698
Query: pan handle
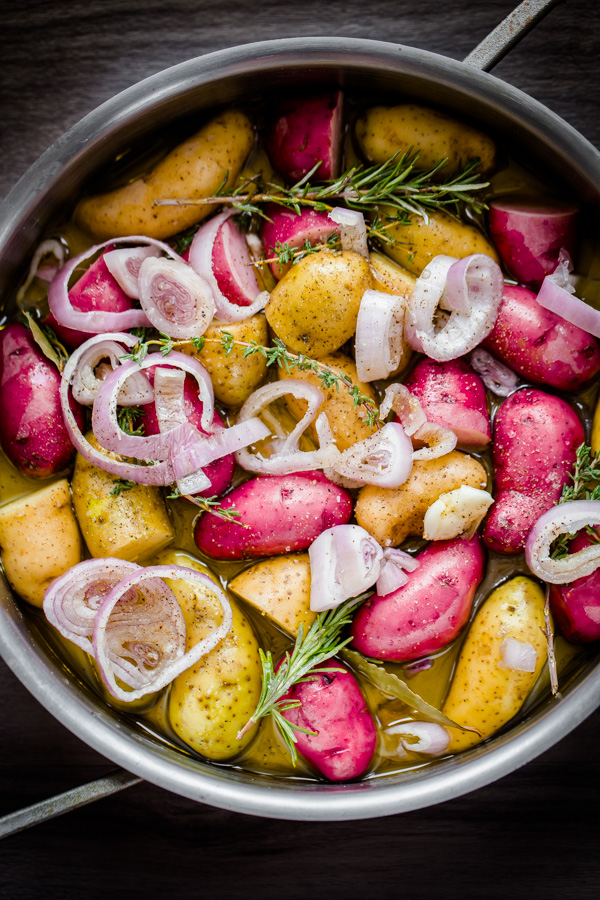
508,33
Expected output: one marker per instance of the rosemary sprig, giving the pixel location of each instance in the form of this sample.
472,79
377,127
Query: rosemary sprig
304,663
395,183
278,355
211,505
586,475
127,417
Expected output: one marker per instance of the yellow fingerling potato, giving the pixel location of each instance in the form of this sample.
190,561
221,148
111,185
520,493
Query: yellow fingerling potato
280,589
596,430
345,420
130,523
419,241
485,693
39,540
393,514
313,309
211,701
195,169
385,130
234,377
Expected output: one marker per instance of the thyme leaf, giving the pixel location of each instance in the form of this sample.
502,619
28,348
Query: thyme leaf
585,485
127,416
120,485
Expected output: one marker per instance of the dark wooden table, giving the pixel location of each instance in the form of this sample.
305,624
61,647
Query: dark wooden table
533,834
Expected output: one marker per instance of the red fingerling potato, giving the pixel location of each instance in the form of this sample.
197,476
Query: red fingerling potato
287,227
576,606
32,429
536,437
304,133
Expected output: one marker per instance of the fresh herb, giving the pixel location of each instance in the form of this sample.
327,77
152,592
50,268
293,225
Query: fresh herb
183,241
395,687
120,485
396,183
211,505
47,341
139,352
304,663
585,486
128,416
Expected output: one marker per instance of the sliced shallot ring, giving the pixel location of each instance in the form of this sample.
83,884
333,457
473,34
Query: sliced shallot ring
566,518
379,335
86,383
52,246
395,564
496,376
353,232
287,457
111,436
471,288
432,739
201,261
344,562
384,459
96,321
124,266
556,294
439,439
406,406
185,660
67,605
169,405
176,299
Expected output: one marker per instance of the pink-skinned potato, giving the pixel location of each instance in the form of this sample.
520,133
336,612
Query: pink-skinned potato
576,606
287,227
306,132
529,235
541,346
32,429
334,707
232,265
282,513
96,290
220,472
427,612
536,436
453,395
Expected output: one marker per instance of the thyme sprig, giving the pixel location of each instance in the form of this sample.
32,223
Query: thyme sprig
585,486
127,416
120,485
396,183
304,663
277,354
211,505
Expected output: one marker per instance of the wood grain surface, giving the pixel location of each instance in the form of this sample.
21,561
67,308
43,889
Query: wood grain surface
533,834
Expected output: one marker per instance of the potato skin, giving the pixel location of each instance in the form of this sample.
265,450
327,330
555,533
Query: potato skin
39,540
132,525
346,420
484,693
392,515
427,612
280,589
536,436
333,706
196,168
211,701
282,513
32,428
313,309
418,242
234,377
383,130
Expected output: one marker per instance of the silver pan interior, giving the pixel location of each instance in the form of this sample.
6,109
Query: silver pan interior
242,75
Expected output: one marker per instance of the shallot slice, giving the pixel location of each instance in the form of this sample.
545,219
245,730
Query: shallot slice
353,233
345,561
519,656
470,288
124,265
396,563
497,377
176,300
406,406
201,261
566,518
383,459
58,251
439,439
89,375
557,295
96,321
427,738
152,655
379,342
287,456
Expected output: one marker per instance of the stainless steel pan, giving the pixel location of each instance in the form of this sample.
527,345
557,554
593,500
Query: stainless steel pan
48,190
